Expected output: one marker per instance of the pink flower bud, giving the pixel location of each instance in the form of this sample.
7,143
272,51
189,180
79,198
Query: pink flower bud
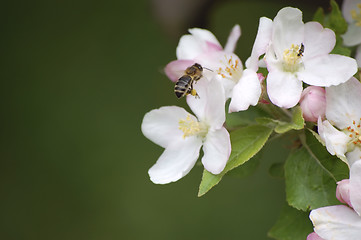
313,103
343,191
314,236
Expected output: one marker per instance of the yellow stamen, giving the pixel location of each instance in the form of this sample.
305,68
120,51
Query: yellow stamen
189,126
291,58
356,15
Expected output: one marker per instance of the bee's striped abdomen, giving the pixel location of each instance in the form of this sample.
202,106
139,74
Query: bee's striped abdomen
183,86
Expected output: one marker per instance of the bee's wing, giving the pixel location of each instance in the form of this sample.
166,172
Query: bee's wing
175,69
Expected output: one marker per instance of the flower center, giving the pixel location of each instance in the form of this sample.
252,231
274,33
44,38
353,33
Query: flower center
232,69
292,58
356,15
354,133
190,127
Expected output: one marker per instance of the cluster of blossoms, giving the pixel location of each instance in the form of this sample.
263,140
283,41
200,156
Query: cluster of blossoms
296,55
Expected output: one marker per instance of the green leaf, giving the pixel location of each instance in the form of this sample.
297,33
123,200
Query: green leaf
247,168
246,142
311,174
319,16
296,123
336,20
242,118
291,225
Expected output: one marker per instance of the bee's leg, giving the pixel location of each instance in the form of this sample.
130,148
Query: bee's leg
194,93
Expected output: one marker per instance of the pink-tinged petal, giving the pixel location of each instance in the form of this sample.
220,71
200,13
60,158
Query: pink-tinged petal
284,89
353,156
246,92
314,236
353,35
343,103
189,47
260,45
347,6
161,125
343,191
216,148
210,106
358,56
313,103
175,69
336,222
327,70
335,140
176,161
355,186
212,47
204,35
288,29
318,40
232,39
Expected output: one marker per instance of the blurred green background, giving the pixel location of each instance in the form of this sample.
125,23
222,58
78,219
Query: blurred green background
77,79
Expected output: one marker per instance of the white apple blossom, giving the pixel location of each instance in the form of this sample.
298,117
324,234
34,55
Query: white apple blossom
351,10
297,52
341,132
342,222
202,47
182,134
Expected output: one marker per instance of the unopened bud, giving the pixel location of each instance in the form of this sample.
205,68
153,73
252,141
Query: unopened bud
313,103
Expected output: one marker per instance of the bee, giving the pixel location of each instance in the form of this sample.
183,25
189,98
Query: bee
301,51
184,85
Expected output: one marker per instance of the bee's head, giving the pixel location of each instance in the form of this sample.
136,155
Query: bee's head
197,65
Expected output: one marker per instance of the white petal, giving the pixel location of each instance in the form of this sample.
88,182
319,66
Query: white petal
355,186
353,35
288,29
189,47
353,156
336,222
161,125
284,89
347,6
358,56
343,103
232,39
327,70
176,161
175,69
260,45
335,140
204,36
216,148
246,92
210,106
318,40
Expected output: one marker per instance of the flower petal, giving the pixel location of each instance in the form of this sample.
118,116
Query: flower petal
318,40
210,106
347,6
288,29
284,89
175,69
216,148
355,186
246,92
353,35
358,56
204,36
176,160
335,140
343,103
353,156
189,47
327,70
314,236
232,39
260,45
343,191
161,125
336,222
